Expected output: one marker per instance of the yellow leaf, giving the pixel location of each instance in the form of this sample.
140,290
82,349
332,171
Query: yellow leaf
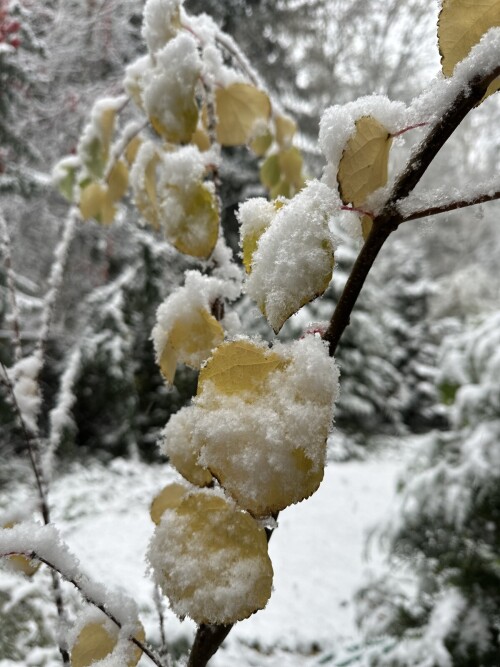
118,180
281,189
285,130
219,541
168,363
290,161
270,171
169,498
461,25
95,202
131,149
201,139
190,341
197,334
364,162
198,231
239,366
186,120
261,143
95,642
146,198
249,245
22,563
239,107
92,200
107,126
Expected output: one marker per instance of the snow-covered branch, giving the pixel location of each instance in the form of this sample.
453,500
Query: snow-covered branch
43,543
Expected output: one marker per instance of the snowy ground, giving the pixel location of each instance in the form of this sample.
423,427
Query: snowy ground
318,555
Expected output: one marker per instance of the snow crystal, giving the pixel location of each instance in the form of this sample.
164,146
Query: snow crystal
161,22
255,215
294,257
211,560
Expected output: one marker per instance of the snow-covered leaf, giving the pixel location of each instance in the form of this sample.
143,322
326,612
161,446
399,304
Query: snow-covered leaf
211,560
294,260
95,641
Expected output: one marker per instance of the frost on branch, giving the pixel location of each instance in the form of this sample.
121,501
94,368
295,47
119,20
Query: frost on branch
259,409
293,261
24,379
210,558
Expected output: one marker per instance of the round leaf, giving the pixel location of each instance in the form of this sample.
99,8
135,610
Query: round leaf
239,107
364,162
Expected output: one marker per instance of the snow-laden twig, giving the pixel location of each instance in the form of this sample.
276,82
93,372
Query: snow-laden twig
454,99
56,278
43,543
433,203
5,251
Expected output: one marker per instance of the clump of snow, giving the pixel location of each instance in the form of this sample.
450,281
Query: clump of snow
278,428
94,132
293,261
210,559
160,23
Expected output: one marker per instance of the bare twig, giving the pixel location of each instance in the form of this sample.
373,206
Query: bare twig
452,206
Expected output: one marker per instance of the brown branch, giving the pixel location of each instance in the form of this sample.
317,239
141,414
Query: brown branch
389,218
32,555
452,206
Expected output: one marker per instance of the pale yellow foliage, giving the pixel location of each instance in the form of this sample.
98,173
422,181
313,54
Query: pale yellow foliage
461,25
239,366
364,162
239,107
211,560
95,642
168,498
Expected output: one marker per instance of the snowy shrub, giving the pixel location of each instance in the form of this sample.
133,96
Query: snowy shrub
253,440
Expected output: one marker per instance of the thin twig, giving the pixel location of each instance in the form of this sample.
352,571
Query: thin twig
32,555
452,206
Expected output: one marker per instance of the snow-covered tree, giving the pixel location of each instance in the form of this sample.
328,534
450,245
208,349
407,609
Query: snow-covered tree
440,605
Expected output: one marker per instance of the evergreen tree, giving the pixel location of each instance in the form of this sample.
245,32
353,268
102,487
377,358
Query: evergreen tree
416,334
17,44
445,532
370,400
